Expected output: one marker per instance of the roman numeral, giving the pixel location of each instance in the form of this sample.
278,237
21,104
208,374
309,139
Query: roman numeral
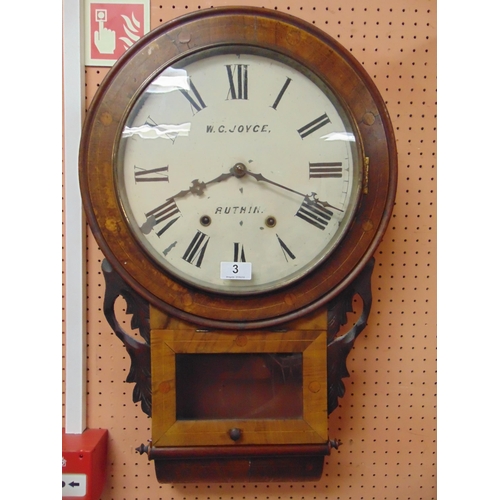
196,101
165,212
196,250
286,250
314,213
332,170
152,175
238,81
311,127
239,253
282,91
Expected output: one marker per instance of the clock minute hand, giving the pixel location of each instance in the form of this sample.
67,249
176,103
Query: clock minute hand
260,177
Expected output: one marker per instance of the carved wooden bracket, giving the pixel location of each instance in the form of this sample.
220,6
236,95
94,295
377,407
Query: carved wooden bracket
339,347
139,352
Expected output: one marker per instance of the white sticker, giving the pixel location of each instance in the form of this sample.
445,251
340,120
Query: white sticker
235,270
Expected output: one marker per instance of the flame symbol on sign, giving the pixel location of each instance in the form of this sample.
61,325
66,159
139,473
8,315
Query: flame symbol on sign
131,28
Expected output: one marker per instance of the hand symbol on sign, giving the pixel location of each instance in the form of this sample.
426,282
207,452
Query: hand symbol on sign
104,39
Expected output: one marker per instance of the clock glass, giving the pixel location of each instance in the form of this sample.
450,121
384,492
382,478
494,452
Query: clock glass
239,385
238,170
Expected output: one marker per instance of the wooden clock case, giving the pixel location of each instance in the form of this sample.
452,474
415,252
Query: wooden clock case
175,319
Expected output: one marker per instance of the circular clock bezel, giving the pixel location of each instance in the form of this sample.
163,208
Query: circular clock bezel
311,48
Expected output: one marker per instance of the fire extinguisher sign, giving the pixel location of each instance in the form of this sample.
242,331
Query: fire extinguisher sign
111,27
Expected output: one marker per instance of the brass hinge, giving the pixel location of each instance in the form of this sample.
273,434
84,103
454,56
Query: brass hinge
366,171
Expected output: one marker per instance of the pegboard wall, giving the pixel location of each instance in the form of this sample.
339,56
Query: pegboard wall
387,418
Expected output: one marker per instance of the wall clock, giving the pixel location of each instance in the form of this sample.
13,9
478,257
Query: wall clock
238,170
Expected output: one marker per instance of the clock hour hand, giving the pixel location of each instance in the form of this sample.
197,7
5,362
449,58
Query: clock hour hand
198,188
168,210
311,197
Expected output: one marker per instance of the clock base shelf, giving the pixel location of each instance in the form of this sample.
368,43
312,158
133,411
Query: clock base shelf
218,464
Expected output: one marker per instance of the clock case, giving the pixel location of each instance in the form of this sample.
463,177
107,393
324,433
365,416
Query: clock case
167,311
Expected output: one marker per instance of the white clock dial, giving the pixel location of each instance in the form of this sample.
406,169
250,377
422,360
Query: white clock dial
238,155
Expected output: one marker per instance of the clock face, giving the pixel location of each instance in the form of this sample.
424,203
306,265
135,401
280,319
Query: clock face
238,171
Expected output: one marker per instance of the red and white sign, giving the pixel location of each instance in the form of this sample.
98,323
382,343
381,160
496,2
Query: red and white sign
112,26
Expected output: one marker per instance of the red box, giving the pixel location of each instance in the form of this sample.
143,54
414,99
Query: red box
84,459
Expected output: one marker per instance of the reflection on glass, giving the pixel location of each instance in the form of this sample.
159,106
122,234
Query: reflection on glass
158,131
339,136
169,80
238,386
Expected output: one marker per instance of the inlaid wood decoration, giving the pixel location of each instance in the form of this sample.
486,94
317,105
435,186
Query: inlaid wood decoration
383,421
